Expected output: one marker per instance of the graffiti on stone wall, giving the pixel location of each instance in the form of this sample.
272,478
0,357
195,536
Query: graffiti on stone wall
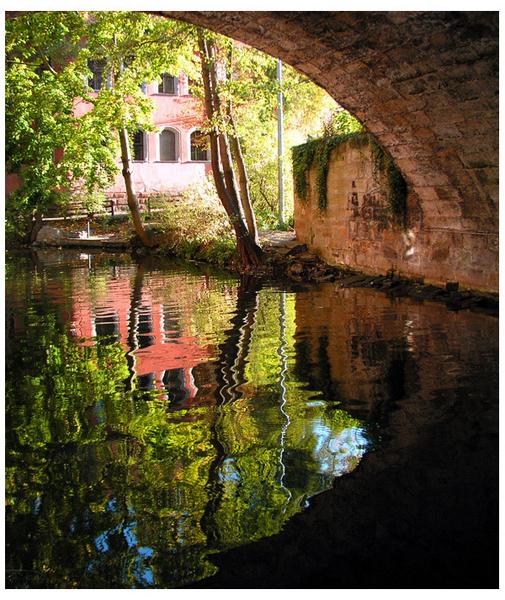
372,208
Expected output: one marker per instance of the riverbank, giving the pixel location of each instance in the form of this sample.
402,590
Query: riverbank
284,258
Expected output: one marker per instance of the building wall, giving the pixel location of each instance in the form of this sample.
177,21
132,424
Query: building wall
182,113
357,230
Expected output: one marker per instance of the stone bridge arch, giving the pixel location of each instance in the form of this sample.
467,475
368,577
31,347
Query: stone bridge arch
424,83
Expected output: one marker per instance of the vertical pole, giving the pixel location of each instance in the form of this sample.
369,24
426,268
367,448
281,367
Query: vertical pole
280,145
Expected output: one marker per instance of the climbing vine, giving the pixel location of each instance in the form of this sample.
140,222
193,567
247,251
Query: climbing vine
397,186
316,154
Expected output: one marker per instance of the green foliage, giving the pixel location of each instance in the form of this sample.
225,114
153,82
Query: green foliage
341,122
92,201
397,186
60,136
46,144
317,153
41,86
340,128
196,226
136,48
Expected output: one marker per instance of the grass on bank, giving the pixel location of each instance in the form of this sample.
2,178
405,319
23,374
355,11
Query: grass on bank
195,227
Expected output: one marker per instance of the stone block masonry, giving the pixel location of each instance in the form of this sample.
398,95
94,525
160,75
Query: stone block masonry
425,84
357,228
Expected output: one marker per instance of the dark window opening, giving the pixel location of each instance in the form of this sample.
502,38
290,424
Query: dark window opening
139,151
199,146
96,80
175,385
168,85
107,326
168,147
144,329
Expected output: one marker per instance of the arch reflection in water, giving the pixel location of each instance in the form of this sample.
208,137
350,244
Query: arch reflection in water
139,489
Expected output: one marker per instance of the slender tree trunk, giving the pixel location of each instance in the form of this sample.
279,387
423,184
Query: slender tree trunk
135,303
243,182
35,226
131,197
250,253
235,350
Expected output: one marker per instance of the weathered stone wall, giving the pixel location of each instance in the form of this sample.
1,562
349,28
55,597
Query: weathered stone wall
425,84
357,229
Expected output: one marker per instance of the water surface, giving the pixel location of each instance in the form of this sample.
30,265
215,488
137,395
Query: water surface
160,413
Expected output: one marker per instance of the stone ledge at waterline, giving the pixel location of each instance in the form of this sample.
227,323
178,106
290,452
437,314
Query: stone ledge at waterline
357,227
286,257
52,236
303,267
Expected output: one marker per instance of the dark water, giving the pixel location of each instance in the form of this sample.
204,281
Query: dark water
158,414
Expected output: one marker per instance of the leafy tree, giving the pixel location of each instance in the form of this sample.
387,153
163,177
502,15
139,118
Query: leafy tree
248,91
40,87
233,198
49,146
253,89
135,48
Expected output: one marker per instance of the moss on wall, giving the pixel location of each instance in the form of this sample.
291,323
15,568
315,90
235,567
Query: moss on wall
317,153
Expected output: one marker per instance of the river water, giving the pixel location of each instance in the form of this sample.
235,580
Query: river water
160,413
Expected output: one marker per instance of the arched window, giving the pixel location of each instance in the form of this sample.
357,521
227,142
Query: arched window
139,145
169,85
200,146
168,145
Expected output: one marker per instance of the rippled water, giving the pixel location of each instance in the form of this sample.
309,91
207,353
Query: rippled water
159,413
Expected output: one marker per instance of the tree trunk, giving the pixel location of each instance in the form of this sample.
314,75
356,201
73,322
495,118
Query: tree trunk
131,197
35,226
250,253
243,182
234,351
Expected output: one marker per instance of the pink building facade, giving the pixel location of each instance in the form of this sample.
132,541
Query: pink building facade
165,161
171,159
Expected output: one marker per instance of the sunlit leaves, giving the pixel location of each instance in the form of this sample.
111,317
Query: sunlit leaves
51,145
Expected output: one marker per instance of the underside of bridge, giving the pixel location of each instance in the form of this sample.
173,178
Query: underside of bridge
424,83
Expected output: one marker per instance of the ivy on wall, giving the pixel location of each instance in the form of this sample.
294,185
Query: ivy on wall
317,153
397,186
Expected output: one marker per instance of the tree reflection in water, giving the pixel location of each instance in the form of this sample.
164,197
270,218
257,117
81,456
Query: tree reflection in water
112,484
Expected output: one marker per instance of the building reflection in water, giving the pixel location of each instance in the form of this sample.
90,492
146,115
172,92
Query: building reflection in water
163,353
260,398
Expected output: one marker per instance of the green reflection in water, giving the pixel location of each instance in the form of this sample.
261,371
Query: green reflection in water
107,487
